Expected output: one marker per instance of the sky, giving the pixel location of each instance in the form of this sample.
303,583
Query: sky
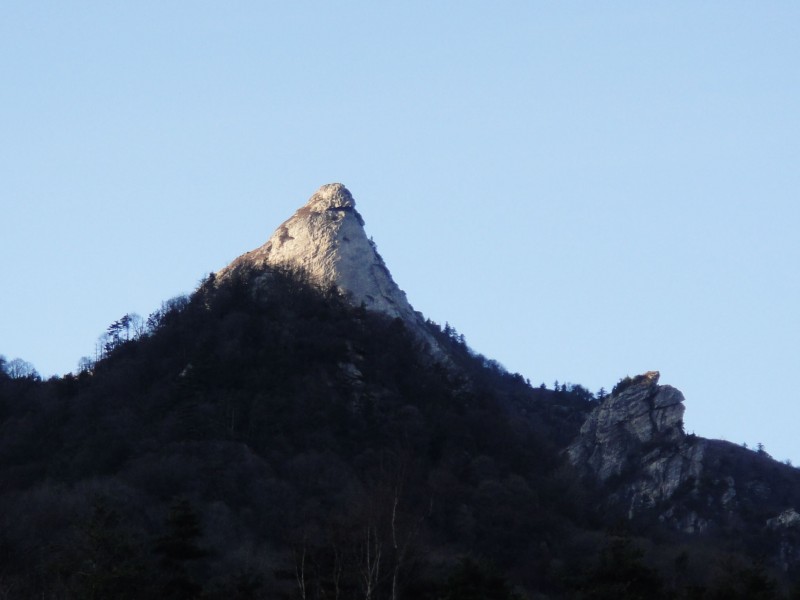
585,190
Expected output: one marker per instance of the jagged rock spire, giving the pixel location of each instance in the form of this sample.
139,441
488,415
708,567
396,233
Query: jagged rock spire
326,239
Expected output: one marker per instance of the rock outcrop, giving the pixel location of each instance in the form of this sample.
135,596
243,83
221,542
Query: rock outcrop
788,518
325,238
634,447
634,442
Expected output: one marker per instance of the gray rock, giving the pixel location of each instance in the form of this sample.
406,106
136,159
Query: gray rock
788,518
635,441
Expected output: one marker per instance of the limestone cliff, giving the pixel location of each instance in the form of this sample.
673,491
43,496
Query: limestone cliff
326,239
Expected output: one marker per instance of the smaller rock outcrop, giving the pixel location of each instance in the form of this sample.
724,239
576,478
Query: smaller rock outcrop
788,518
634,441
634,447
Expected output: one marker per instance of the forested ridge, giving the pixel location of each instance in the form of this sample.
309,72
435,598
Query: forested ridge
264,439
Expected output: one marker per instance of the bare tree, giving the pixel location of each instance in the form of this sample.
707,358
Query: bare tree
369,553
85,365
365,548
388,529
101,347
300,569
137,325
20,369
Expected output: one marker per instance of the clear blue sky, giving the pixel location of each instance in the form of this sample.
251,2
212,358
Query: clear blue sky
585,190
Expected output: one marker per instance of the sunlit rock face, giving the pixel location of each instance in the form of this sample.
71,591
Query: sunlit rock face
642,413
326,239
634,441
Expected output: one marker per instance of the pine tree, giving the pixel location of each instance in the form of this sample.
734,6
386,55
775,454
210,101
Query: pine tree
178,547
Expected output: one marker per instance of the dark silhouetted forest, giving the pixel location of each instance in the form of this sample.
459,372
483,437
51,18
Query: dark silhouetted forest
263,439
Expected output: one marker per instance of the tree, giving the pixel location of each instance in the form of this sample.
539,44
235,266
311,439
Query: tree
21,369
110,562
621,573
170,308
118,333
128,327
178,548
367,548
741,581
622,385
138,326
85,365
581,393
474,581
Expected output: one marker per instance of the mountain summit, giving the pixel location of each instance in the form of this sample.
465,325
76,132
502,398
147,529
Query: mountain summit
325,239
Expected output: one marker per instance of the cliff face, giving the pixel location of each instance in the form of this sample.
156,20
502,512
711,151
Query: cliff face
634,442
326,239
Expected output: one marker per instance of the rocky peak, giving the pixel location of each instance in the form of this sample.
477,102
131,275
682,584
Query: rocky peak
639,412
326,239
635,438
331,196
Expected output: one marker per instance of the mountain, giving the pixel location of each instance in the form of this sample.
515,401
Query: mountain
294,429
326,240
